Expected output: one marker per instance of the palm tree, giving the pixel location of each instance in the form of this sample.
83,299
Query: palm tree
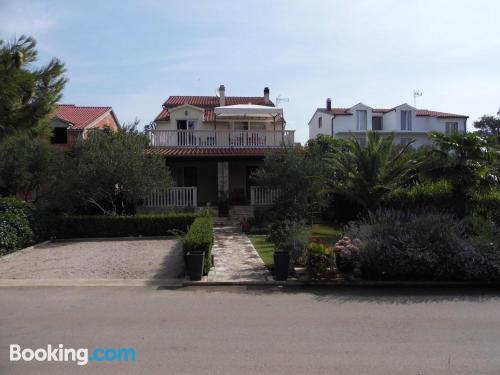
366,174
466,161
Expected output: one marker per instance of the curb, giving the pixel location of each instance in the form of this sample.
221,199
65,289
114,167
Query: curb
160,283
294,283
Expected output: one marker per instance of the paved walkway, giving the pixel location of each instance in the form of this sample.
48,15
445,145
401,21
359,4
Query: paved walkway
235,258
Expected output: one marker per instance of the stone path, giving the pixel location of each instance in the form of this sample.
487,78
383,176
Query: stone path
235,258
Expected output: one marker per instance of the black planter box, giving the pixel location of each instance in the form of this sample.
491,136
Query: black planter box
195,265
281,265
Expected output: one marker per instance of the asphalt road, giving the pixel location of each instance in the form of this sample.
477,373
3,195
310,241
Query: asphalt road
257,331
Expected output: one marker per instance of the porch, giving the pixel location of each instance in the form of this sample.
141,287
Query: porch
205,182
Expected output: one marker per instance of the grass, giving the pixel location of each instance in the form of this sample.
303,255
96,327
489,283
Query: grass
265,248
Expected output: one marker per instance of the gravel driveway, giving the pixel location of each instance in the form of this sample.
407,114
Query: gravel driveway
96,259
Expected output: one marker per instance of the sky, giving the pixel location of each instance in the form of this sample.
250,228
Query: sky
132,55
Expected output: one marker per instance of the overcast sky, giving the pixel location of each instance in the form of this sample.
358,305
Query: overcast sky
133,55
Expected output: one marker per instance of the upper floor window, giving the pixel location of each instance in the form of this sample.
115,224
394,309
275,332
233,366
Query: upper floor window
241,125
452,127
405,120
185,124
320,122
361,120
376,123
59,136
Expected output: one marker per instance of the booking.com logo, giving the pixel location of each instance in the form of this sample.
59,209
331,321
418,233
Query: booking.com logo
80,356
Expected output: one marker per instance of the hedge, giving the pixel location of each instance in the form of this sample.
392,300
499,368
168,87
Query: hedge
200,238
120,226
17,219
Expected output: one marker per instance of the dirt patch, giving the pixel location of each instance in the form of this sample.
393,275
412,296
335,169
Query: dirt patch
96,259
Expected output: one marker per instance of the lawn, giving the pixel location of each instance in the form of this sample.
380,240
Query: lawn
326,232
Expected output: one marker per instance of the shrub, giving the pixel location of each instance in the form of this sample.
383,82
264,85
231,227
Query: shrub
320,259
430,246
347,253
435,195
120,226
200,238
17,218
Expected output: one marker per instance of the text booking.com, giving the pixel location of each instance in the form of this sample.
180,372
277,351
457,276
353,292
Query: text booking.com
81,356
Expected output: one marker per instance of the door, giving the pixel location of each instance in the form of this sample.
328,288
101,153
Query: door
250,170
190,176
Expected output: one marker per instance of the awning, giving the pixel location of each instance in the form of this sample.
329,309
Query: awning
250,110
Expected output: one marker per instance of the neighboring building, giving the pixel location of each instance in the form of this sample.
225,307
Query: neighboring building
404,121
213,144
70,122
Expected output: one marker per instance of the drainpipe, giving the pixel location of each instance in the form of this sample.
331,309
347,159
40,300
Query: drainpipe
332,123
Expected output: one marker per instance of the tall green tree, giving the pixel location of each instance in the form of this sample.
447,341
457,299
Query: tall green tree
28,94
466,161
27,165
108,172
366,174
489,127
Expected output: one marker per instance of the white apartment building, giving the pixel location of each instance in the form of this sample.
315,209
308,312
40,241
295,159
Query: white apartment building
404,121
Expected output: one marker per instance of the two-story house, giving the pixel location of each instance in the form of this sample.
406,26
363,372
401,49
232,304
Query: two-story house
70,122
213,144
404,121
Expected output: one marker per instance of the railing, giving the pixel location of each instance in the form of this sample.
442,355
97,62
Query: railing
221,138
173,197
262,196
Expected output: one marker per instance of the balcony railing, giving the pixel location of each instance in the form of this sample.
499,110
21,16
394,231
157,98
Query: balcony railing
262,196
221,138
172,197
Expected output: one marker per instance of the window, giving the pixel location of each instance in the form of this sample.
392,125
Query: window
241,125
361,120
452,127
185,124
377,123
320,122
405,120
59,136
190,176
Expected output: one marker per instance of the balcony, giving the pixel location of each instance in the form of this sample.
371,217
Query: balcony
220,138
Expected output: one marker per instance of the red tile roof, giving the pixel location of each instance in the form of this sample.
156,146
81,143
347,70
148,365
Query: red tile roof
420,112
208,103
79,117
207,151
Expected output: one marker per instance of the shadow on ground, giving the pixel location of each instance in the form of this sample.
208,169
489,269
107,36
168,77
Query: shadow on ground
373,294
172,266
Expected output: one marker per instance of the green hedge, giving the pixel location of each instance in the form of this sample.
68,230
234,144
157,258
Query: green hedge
200,237
435,195
17,219
120,226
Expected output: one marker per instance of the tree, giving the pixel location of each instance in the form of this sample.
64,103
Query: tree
27,165
465,160
109,171
489,127
28,95
367,174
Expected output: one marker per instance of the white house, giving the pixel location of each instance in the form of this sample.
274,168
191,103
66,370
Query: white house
213,144
404,121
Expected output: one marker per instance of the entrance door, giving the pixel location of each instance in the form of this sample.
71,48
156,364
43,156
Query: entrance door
249,179
190,176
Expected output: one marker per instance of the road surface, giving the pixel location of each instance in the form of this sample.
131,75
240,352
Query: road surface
257,331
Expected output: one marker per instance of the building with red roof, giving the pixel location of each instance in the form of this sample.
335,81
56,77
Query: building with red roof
407,123
213,144
71,122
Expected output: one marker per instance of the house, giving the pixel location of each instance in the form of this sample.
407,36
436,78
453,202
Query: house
404,121
213,144
70,122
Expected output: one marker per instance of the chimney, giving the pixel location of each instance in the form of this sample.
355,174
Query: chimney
266,95
222,95
328,104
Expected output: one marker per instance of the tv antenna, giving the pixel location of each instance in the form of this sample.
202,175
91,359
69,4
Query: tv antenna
279,100
416,94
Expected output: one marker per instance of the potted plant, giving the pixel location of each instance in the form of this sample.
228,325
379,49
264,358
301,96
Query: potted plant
195,264
281,264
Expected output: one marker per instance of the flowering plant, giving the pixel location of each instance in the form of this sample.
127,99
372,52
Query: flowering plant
347,253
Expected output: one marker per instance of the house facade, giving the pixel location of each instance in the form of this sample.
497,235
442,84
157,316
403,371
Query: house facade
213,144
70,122
404,121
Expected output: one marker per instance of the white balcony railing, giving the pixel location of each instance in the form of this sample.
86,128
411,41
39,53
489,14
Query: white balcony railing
221,138
172,197
262,196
